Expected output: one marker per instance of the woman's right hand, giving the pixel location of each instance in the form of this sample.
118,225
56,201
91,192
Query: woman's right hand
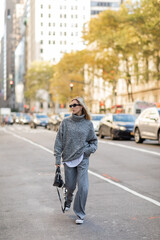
58,165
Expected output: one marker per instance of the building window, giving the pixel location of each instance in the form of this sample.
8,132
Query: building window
49,42
49,15
41,42
41,50
53,42
65,33
93,12
41,33
53,33
41,24
49,33
41,6
49,24
41,14
49,6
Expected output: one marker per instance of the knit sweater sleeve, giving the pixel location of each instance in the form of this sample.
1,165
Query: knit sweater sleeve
92,142
58,146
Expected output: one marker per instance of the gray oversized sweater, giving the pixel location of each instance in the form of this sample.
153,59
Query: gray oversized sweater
75,136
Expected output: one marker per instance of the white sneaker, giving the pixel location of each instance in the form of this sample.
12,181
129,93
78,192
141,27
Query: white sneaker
79,221
67,209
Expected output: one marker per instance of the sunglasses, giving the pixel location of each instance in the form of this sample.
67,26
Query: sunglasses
74,105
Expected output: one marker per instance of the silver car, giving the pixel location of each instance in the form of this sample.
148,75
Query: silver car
147,125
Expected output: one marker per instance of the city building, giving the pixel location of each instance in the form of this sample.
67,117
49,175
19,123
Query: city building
20,53
98,6
7,61
55,28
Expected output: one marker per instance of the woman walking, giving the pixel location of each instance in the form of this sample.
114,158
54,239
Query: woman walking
75,141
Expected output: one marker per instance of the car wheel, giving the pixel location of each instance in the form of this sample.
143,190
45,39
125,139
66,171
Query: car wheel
112,135
100,133
137,136
34,126
159,137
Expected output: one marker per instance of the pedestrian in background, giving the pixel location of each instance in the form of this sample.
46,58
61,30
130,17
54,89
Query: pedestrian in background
75,141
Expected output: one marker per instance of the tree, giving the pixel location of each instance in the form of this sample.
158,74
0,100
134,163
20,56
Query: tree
132,35
37,78
146,20
69,69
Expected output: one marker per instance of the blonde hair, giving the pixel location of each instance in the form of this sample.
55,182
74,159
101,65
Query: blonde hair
85,110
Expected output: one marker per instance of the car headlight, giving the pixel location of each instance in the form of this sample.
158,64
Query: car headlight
37,121
120,128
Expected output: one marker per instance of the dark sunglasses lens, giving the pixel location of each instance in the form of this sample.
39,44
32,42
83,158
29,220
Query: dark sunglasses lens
74,105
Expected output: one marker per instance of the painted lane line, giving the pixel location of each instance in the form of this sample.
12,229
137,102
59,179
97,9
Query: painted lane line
92,173
129,147
125,188
29,141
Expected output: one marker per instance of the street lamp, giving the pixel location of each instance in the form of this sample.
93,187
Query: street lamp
71,86
115,95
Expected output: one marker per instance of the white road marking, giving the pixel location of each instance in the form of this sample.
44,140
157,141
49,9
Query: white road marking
129,147
125,188
91,172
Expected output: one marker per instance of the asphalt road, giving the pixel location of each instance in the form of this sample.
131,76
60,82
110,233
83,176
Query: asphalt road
124,192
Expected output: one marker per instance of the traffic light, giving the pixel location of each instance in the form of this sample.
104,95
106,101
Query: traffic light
11,82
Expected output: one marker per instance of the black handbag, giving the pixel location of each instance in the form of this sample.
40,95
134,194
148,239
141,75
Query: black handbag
58,181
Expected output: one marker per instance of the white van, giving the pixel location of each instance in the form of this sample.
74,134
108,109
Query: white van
137,107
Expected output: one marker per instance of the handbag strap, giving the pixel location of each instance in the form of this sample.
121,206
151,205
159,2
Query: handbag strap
62,207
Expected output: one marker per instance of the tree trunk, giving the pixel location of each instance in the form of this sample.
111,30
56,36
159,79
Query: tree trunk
146,74
128,82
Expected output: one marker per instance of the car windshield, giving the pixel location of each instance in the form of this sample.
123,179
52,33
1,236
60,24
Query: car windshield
27,116
67,115
123,118
97,117
41,116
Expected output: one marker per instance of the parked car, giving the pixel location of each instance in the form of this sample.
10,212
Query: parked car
117,126
16,118
53,123
147,125
96,118
61,116
39,119
8,119
24,118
